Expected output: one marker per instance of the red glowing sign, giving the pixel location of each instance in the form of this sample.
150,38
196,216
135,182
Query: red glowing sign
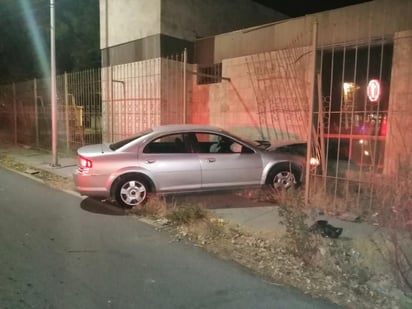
374,90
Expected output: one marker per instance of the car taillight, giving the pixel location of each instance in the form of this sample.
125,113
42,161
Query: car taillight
85,163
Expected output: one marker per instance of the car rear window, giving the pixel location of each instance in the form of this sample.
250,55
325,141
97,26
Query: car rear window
126,141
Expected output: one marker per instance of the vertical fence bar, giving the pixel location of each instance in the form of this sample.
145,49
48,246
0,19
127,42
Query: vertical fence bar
15,113
36,112
67,111
184,85
321,130
110,86
310,114
53,90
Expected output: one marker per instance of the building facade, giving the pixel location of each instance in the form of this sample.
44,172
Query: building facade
260,78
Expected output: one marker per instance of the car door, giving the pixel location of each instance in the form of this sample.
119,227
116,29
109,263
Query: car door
227,163
171,164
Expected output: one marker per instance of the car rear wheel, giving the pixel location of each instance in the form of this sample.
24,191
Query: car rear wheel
131,191
284,176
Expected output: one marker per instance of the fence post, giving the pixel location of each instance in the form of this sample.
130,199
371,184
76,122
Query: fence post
15,113
310,115
66,111
36,112
184,85
110,89
53,89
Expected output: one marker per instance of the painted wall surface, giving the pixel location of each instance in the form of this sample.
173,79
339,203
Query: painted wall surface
173,92
192,19
122,21
349,25
253,101
399,134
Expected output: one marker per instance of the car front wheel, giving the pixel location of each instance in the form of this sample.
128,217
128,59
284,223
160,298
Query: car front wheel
131,191
284,176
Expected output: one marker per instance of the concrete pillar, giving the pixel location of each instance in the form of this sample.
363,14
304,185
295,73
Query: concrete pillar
398,147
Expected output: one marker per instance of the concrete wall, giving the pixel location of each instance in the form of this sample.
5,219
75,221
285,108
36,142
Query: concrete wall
365,24
122,21
255,99
132,30
192,19
355,24
399,134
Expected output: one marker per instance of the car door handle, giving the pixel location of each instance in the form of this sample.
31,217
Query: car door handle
211,159
150,161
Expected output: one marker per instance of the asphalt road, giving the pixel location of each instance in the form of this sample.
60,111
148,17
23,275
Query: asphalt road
59,251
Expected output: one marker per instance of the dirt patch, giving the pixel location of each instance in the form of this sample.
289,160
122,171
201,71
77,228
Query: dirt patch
345,281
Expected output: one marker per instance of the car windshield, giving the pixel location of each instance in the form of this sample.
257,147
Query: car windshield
262,144
126,141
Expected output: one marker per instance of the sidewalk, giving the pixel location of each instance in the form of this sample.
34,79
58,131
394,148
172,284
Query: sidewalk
261,218
41,160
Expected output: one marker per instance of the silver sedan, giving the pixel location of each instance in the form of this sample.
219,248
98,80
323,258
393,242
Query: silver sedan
181,158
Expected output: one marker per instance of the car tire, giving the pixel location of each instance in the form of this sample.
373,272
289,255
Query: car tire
284,176
131,191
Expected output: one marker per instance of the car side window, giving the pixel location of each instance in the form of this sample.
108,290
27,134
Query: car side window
172,143
215,143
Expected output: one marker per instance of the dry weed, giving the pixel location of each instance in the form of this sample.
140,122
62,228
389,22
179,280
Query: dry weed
186,214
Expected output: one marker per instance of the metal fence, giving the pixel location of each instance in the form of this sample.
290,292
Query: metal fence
351,112
350,115
25,112
95,105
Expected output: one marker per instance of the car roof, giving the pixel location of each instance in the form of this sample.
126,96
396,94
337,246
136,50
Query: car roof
186,127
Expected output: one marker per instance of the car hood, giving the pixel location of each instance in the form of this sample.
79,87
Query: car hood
93,150
281,156
276,145
271,148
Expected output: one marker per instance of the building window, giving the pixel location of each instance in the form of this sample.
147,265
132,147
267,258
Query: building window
209,74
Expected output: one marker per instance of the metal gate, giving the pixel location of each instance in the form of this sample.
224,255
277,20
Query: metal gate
144,94
353,83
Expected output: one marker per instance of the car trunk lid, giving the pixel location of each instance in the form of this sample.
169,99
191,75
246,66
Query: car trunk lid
93,150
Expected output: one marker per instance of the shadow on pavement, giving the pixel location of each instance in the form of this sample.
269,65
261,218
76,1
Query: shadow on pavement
211,200
216,200
101,207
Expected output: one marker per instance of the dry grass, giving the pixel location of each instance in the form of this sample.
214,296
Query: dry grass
393,206
154,208
186,214
386,202
298,240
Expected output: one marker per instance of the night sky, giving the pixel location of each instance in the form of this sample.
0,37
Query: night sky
295,8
